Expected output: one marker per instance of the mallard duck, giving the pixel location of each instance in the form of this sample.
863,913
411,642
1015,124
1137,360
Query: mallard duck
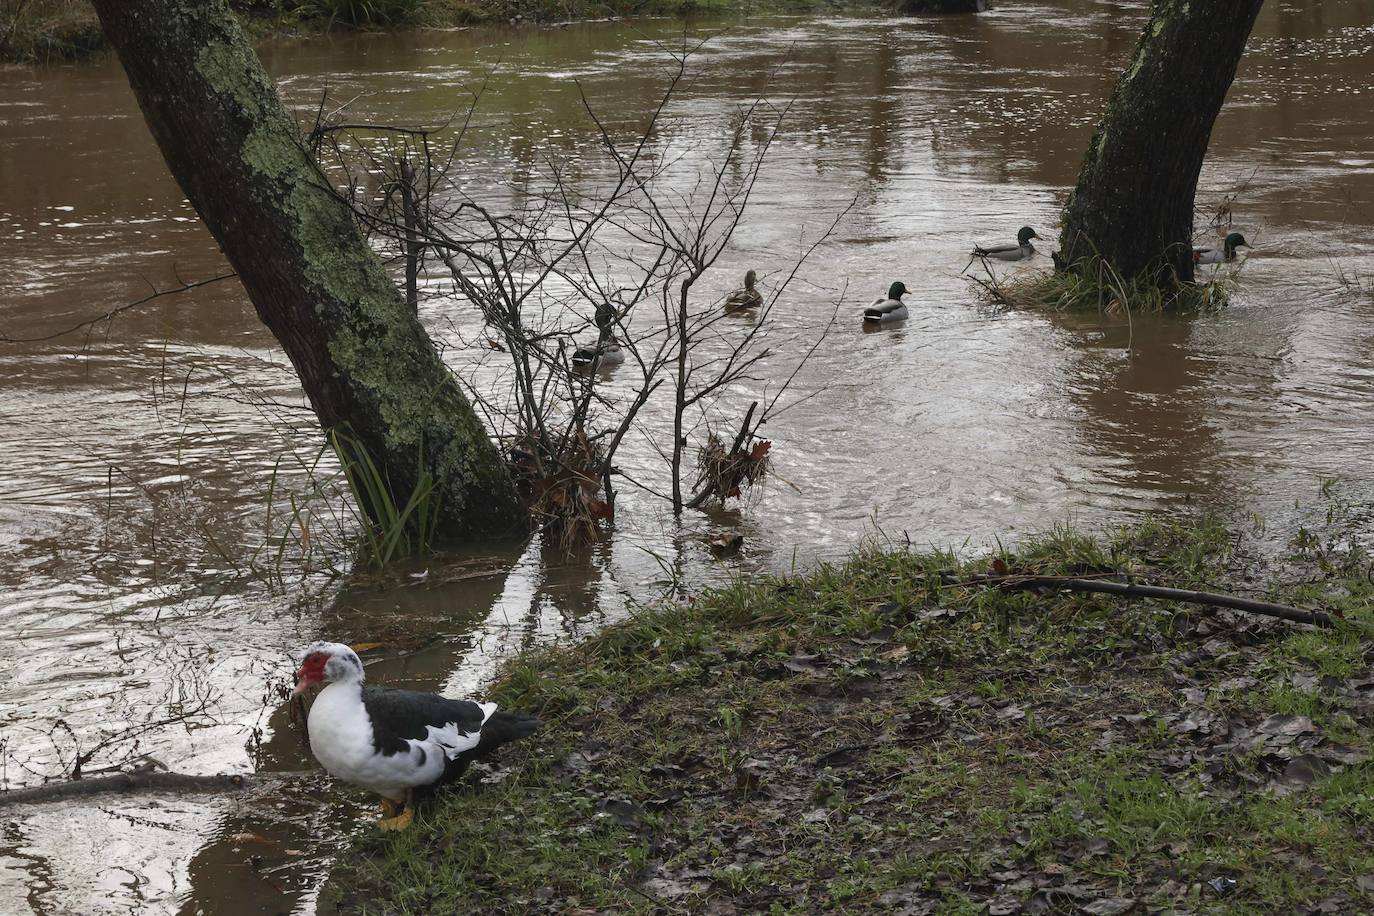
602,355
1226,253
746,297
605,317
1018,252
890,309
396,743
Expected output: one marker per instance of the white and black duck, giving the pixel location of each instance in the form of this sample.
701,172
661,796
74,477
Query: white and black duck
1019,252
396,743
890,309
746,297
603,355
1223,255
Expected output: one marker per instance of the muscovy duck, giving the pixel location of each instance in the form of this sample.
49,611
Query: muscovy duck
890,309
1018,252
747,297
1226,253
396,743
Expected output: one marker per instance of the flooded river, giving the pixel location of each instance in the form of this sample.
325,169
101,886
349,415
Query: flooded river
145,456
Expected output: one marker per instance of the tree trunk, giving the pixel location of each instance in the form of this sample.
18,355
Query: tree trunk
1133,206
362,356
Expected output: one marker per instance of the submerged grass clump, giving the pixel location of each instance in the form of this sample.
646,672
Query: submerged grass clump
866,738
395,525
1099,288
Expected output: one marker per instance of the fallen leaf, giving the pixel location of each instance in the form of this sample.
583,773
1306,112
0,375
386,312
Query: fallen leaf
252,838
1305,769
1004,906
895,655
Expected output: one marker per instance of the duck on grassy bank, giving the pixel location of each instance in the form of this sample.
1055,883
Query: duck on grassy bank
890,309
1022,250
1223,255
395,742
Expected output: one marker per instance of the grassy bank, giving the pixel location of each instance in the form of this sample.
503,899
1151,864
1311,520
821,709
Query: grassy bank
50,31
865,739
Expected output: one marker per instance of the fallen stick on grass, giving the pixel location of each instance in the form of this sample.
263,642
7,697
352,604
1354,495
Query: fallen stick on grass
1126,590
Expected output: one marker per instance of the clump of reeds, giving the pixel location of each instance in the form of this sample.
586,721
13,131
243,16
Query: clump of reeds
395,526
40,31
1099,287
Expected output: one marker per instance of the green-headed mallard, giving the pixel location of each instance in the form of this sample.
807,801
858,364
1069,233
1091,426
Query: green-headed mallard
890,309
603,355
1018,252
1227,251
746,297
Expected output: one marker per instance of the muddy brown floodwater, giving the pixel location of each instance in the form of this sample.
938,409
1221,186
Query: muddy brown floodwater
140,456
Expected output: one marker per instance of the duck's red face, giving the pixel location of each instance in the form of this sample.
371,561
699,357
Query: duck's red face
311,672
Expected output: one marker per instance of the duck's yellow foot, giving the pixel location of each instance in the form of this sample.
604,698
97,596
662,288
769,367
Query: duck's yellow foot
390,808
399,822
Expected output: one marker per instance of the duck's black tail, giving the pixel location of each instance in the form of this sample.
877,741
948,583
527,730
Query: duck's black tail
505,727
500,728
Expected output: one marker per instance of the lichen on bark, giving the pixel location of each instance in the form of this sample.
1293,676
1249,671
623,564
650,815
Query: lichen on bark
363,357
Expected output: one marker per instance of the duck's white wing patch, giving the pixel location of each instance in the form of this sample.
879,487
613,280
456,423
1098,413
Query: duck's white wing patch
452,739
487,710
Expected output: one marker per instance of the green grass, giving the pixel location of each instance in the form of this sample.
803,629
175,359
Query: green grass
395,526
861,738
41,31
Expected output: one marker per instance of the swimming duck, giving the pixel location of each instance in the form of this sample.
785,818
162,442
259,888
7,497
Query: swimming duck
603,355
605,317
746,297
890,309
1018,252
395,742
1226,253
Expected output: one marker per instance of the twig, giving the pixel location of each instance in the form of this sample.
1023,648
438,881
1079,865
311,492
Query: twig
1128,590
155,294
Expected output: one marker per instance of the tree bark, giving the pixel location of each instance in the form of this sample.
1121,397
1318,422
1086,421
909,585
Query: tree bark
363,358
1133,206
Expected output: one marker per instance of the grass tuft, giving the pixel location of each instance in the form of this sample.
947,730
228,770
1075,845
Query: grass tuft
1099,288
396,526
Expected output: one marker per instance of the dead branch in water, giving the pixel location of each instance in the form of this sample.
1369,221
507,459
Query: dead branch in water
138,781
117,310
725,472
1013,582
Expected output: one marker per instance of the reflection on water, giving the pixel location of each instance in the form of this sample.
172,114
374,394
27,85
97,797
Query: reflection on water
142,455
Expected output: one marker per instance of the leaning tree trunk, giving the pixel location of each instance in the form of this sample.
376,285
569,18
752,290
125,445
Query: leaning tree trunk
363,358
1133,206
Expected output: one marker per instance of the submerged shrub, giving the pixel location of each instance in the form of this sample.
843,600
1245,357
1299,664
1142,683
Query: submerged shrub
1099,288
